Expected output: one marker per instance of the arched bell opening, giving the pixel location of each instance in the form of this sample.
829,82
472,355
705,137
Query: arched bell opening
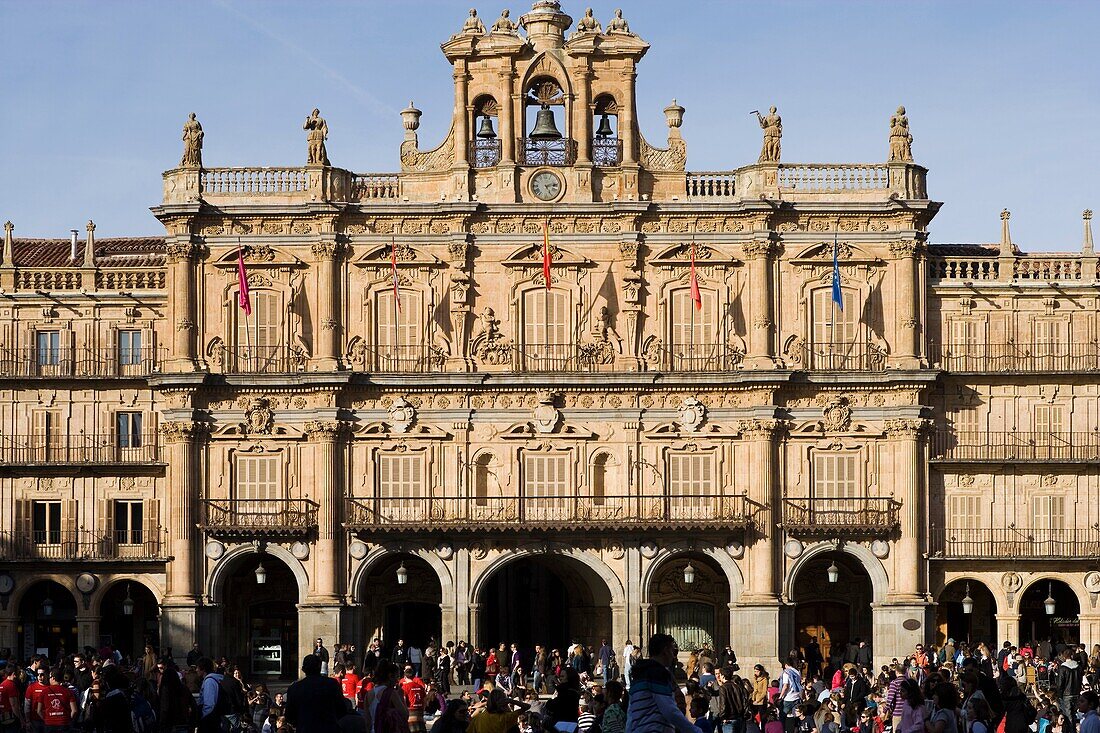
485,144
544,143
607,146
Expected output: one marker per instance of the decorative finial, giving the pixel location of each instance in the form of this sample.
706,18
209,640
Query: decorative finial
1007,248
1087,247
89,252
8,229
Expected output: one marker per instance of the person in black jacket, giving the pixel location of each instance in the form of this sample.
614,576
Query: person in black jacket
1067,683
113,714
1019,713
175,704
314,703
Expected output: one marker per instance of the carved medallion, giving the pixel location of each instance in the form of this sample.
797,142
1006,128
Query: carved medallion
402,415
258,418
691,414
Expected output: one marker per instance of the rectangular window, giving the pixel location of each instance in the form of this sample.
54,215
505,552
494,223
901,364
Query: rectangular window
129,348
1049,512
49,348
1049,434
129,522
965,349
836,334
964,423
964,511
547,485
258,483
835,476
690,485
46,523
259,336
399,334
127,430
401,486
1050,337
695,342
547,342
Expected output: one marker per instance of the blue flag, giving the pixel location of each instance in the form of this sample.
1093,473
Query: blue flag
838,294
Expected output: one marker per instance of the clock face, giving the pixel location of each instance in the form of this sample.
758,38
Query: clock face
86,582
545,185
7,584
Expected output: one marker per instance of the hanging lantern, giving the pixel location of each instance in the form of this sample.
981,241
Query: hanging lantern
402,574
128,604
968,602
261,574
833,572
689,574
47,607
1048,604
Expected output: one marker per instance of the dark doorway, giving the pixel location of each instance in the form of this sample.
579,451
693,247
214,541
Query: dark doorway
952,622
260,620
1061,627
413,621
402,596
47,615
130,632
834,610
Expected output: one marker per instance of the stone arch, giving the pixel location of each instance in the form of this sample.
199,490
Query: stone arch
734,578
223,569
597,566
378,553
66,581
144,579
880,581
1000,598
1072,583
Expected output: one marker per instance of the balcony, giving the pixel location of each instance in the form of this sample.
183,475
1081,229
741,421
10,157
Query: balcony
696,357
484,153
46,449
1016,358
1015,446
546,152
85,546
259,360
844,357
561,512
259,517
83,363
607,151
1015,543
411,359
855,516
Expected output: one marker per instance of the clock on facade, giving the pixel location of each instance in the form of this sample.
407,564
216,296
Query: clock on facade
86,582
546,185
7,584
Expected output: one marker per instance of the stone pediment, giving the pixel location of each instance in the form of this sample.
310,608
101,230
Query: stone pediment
385,431
679,255
258,255
243,430
847,254
407,256
676,430
530,256
528,430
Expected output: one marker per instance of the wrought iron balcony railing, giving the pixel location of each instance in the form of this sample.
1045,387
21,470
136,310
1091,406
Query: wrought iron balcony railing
50,362
547,358
46,448
259,517
80,545
564,511
1039,447
1018,358
697,357
547,152
258,360
607,151
814,517
853,356
404,359
1015,543
484,153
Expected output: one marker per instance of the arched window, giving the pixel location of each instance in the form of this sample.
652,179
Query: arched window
399,331
547,324
484,145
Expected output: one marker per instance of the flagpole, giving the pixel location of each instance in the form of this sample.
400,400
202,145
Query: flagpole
247,336
691,307
396,301
832,310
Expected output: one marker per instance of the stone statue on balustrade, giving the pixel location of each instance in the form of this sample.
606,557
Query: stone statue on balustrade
901,140
773,135
618,24
318,133
505,25
473,25
192,143
588,24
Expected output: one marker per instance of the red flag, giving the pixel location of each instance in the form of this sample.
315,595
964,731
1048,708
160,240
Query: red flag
696,296
242,284
546,252
393,271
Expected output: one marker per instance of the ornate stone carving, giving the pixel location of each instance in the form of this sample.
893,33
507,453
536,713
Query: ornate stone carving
772,125
618,24
325,250
402,415
901,140
473,25
1012,582
258,418
759,428
837,416
185,324
906,427
180,251
759,249
691,414
761,323
317,133
324,431
546,417
192,143
458,251
179,432
905,248
505,25
588,24
490,346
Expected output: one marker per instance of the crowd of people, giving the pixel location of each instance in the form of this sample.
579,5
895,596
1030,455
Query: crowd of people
953,688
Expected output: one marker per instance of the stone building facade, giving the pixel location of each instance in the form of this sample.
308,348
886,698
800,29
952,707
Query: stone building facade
414,434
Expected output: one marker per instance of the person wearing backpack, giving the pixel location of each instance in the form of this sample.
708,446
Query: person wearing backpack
212,702
114,714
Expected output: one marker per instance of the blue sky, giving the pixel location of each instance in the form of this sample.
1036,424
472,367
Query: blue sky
1003,97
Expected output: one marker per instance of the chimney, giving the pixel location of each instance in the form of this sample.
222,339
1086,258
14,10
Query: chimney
89,252
72,247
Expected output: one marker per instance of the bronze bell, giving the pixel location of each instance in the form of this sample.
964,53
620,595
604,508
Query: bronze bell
605,127
545,129
486,130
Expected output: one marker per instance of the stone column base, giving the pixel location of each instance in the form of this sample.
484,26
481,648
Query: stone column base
898,628
754,632
174,366
324,364
316,620
179,626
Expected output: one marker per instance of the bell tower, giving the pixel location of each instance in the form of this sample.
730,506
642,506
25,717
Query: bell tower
545,117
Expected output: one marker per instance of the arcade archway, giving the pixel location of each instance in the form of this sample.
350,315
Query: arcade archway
129,618
260,619
952,620
47,613
552,600
832,595
402,597
1050,611
690,596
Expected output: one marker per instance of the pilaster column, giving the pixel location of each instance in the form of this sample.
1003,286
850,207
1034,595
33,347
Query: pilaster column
762,326
462,137
506,116
459,358
626,120
761,584
475,625
1008,628
179,439
327,357
904,436
582,116
907,354
180,256
328,493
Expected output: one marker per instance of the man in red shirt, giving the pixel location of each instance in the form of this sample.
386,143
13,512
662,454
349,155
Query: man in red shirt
57,705
11,705
349,683
33,696
414,689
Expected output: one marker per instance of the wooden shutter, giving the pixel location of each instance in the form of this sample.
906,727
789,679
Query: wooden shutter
964,511
24,517
1049,511
546,317
151,533
830,323
691,327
